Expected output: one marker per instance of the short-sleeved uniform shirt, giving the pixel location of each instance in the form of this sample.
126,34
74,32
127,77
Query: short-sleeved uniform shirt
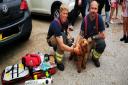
91,26
56,28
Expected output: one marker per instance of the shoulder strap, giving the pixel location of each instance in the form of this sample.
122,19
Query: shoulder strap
58,21
85,26
12,71
17,70
97,23
86,23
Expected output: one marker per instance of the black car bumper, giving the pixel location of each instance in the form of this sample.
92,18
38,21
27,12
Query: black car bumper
17,30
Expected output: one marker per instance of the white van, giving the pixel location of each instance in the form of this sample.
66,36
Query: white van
48,6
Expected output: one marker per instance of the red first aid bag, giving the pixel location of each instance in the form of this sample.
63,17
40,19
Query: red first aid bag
31,60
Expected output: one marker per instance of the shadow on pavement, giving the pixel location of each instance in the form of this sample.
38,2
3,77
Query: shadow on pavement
10,48
41,17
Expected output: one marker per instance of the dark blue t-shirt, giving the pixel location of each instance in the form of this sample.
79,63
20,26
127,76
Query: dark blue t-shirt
91,26
56,28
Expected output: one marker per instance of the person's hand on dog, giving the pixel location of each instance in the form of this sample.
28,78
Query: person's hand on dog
77,49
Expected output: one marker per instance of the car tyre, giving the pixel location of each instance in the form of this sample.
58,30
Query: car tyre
27,32
55,9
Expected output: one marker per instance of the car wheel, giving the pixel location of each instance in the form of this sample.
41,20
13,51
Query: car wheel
56,13
26,36
55,9
27,28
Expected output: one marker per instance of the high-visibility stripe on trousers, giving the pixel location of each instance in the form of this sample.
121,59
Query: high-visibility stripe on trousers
58,57
98,48
96,54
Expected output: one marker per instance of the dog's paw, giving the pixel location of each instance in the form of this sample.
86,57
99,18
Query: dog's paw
70,58
84,67
79,71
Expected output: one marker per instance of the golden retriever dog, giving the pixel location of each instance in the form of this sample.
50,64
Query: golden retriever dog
81,59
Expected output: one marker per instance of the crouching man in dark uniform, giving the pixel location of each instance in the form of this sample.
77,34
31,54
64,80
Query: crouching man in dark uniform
92,28
57,37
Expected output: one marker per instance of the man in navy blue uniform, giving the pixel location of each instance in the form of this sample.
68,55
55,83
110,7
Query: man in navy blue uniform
57,37
92,28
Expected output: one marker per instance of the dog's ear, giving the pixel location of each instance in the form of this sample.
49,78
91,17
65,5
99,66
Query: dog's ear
85,45
81,41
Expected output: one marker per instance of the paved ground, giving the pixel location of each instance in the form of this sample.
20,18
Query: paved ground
114,61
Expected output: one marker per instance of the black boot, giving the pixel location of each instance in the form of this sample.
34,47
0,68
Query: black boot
126,40
123,38
96,62
60,66
107,24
